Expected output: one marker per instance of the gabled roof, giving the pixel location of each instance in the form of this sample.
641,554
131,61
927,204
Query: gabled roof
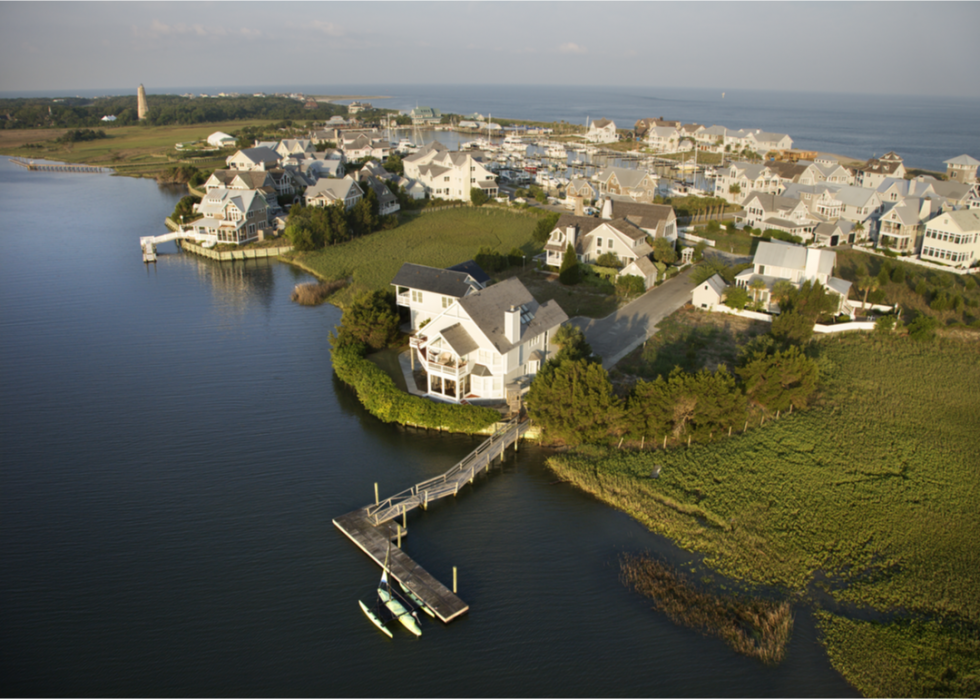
780,255
601,123
333,188
259,155
772,202
446,282
460,340
644,265
787,170
473,269
646,216
487,308
717,284
381,190
627,177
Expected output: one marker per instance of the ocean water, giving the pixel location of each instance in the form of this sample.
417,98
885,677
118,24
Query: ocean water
925,131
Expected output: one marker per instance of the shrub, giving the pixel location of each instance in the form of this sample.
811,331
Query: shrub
736,297
923,328
478,197
898,274
792,328
568,273
370,320
315,293
629,286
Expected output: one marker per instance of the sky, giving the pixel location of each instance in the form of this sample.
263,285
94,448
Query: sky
904,48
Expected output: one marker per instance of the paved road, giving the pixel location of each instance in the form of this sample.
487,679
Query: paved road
618,334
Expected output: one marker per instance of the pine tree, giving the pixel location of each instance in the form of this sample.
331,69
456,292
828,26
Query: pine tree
568,273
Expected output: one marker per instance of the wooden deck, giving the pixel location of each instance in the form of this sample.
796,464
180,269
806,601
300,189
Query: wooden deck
373,531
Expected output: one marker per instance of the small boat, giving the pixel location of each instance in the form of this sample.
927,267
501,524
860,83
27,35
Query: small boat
417,601
375,619
404,615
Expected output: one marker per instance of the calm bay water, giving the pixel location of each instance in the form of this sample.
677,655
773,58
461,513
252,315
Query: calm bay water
173,446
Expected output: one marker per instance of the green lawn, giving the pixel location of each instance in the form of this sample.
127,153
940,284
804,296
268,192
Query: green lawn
872,496
437,239
738,242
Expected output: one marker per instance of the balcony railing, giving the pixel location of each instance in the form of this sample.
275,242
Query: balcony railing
450,369
404,299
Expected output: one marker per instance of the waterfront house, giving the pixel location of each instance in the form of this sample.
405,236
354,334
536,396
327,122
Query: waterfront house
488,344
592,237
662,139
236,216
582,189
642,126
425,115
639,185
328,191
962,168
358,145
953,238
241,179
450,174
821,171
797,264
602,131
428,291
874,172
259,158
765,141
735,182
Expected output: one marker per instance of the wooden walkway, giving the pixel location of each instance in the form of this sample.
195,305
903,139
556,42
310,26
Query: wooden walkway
373,531
46,167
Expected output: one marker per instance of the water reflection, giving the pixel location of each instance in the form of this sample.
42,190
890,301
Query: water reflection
236,286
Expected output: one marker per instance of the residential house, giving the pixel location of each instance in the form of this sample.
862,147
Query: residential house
414,188
260,158
642,126
291,146
387,202
656,220
874,172
962,168
643,268
450,174
425,115
328,191
602,131
772,211
765,141
777,260
712,138
582,189
833,233
789,172
902,225
709,293
953,238
428,291
662,139
821,171
358,145
639,185
236,216
820,199
592,237
860,205
240,179
735,182
488,344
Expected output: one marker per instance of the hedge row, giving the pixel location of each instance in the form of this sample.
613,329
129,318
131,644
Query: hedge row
383,399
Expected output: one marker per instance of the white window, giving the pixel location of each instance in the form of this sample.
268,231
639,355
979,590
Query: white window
416,296
447,301
610,243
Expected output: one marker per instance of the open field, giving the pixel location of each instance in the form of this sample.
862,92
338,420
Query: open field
865,505
737,242
437,239
131,150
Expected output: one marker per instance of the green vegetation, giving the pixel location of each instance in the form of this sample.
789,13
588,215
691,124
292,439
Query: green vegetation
757,628
438,239
478,197
952,299
568,274
870,495
370,322
184,211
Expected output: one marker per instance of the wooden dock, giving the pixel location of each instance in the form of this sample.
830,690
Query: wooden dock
373,531
52,167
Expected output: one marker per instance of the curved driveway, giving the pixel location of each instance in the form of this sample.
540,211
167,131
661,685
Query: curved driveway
619,333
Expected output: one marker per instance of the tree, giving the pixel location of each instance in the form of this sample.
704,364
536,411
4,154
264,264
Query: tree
663,251
782,290
545,225
923,328
780,380
736,297
571,343
735,189
303,236
568,273
867,285
574,402
630,286
757,285
394,164
478,197
792,328
608,259
370,319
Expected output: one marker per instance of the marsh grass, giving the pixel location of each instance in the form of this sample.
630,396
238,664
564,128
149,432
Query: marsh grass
755,627
315,293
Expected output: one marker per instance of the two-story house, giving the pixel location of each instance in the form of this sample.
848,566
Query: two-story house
772,211
592,237
662,139
874,172
953,238
656,220
387,202
487,344
735,182
235,216
962,168
427,291
777,260
451,174
902,225
259,158
602,131
639,185
328,191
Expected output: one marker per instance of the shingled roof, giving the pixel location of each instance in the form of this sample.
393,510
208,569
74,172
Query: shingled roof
445,282
487,308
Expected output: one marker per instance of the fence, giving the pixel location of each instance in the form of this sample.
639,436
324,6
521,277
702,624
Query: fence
228,255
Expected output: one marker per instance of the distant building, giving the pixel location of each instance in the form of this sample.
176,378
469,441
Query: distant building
141,107
962,168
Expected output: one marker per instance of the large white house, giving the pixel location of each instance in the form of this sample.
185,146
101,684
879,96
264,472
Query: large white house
236,216
328,191
592,237
428,291
487,343
777,260
449,174
602,131
258,158
953,238
735,182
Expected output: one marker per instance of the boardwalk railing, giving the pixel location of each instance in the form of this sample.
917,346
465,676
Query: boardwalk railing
421,494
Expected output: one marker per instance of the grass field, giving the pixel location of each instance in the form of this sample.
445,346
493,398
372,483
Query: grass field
868,500
130,150
437,239
738,242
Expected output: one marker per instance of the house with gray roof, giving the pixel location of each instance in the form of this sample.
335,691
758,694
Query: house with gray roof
874,172
657,220
772,211
592,237
962,168
602,131
903,224
488,344
329,191
736,181
953,238
387,202
427,291
236,216
639,185
709,293
260,158
796,264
